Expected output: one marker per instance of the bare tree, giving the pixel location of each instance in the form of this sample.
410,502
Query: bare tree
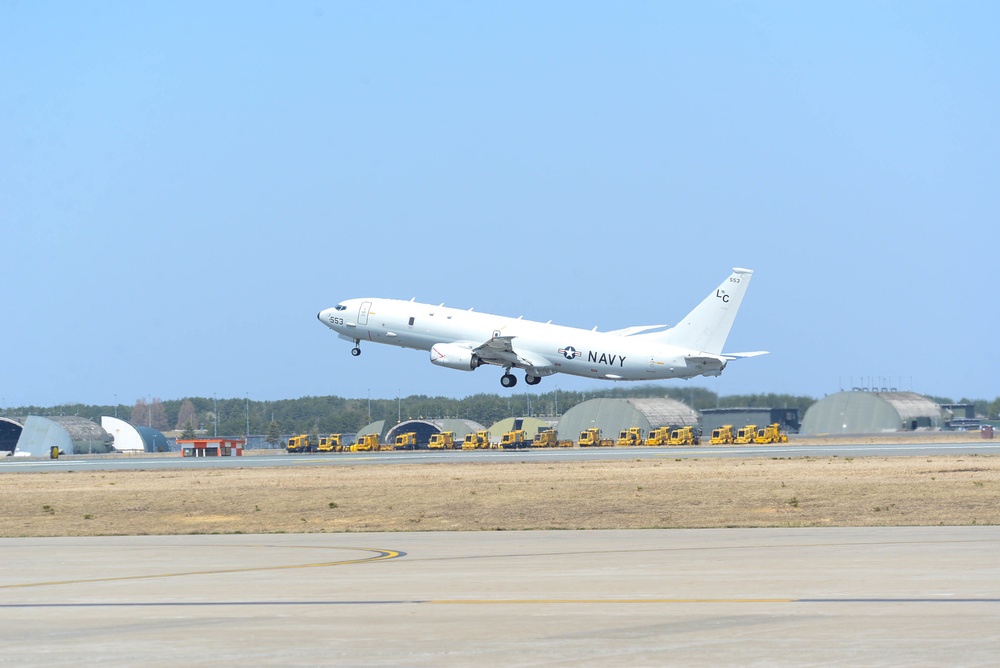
187,416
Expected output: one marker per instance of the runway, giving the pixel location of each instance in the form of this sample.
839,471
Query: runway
853,596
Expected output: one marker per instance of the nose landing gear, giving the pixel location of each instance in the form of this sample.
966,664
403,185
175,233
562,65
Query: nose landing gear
356,350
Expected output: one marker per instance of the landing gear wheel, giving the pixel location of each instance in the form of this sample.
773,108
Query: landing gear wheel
532,380
508,380
355,351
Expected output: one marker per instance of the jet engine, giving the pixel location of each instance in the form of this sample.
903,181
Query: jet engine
454,356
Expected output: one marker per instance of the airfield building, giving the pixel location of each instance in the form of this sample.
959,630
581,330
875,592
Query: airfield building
871,412
613,415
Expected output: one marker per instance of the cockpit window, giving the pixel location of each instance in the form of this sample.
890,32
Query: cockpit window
341,307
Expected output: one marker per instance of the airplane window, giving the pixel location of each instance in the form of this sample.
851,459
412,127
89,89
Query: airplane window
341,307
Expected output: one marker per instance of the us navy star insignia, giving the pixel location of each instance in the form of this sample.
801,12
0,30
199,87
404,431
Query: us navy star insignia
569,352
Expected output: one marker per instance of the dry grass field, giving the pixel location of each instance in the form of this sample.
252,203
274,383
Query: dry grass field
641,493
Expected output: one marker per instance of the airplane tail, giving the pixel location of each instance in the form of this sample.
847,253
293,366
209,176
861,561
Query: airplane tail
706,328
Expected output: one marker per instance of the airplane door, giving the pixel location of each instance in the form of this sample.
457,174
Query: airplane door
363,313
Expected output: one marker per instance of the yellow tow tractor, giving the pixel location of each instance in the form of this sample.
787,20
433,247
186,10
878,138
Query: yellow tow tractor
406,441
366,443
549,439
514,440
544,439
629,437
591,438
658,436
723,435
746,435
299,443
331,443
477,441
684,436
443,440
771,434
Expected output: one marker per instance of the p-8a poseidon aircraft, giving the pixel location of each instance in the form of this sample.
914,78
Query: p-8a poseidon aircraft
466,340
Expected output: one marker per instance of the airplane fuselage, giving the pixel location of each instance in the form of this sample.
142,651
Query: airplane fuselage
560,349
466,340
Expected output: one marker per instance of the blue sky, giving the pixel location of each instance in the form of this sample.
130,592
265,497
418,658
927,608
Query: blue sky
183,186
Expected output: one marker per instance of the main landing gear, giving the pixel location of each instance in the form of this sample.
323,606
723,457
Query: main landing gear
509,380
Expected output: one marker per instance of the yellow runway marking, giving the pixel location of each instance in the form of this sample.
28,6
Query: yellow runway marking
606,601
380,555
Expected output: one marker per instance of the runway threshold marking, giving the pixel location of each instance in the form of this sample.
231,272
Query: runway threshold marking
380,555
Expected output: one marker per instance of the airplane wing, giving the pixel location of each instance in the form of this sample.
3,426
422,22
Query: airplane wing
499,351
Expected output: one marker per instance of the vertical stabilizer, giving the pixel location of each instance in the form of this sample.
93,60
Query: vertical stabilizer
706,328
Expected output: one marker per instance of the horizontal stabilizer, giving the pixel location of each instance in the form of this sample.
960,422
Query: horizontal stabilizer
734,356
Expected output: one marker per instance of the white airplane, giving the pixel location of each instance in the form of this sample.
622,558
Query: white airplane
466,340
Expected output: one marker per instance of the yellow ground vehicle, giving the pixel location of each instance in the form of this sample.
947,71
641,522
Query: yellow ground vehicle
549,439
658,436
745,435
630,436
771,434
299,443
406,441
544,439
331,443
514,439
591,438
444,440
366,443
478,441
684,436
723,435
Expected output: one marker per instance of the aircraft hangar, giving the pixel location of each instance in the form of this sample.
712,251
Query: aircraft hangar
70,433
859,412
426,428
10,431
530,425
134,438
613,415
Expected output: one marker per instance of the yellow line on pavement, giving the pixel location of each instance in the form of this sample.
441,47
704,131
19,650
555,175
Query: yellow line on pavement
380,555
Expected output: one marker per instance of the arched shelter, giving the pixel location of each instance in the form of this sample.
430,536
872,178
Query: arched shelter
871,412
10,431
71,434
613,415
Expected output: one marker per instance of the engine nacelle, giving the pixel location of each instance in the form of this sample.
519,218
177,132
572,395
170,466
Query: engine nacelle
454,356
